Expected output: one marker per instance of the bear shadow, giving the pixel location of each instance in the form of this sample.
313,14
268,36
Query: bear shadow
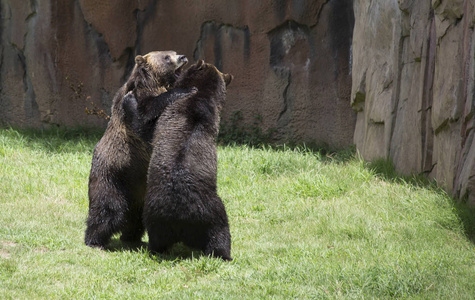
177,252
116,245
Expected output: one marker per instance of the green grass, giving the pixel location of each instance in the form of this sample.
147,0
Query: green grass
303,224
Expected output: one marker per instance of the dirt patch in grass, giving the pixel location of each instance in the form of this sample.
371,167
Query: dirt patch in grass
41,250
8,244
4,254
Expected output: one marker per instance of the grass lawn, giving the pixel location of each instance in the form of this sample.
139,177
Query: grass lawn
303,225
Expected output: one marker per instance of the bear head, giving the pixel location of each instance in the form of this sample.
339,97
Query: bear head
205,77
159,68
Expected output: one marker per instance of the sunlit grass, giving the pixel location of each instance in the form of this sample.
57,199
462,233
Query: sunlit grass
303,225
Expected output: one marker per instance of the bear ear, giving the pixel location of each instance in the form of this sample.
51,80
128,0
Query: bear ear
228,78
199,64
140,60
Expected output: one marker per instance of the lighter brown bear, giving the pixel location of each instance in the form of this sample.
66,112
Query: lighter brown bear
118,176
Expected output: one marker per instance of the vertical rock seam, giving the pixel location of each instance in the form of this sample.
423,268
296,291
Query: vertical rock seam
32,112
427,134
282,39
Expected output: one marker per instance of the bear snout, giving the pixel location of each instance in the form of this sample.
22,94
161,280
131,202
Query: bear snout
182,58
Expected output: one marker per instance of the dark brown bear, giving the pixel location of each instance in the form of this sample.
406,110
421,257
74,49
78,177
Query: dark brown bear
117,181
182,204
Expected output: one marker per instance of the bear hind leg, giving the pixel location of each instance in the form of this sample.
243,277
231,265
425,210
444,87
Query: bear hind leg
133,229
98,234
106,217
218,243
160,237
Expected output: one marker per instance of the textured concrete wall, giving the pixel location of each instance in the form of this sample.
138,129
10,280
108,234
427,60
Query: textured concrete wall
410,76
413,87
290,59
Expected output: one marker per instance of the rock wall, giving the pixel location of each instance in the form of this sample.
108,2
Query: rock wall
413,87
290,59
409,74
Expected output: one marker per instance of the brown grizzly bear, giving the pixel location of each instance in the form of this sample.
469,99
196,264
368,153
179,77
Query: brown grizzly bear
182,204
117,181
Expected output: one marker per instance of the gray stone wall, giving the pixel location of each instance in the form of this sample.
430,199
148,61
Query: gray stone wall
413,87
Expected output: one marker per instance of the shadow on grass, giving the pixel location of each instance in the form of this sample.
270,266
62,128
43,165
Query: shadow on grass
62,139
177,253
116,245
323,152
385,170
55,139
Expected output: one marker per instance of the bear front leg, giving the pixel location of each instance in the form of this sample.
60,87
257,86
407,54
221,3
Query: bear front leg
150,110
153,108
131,114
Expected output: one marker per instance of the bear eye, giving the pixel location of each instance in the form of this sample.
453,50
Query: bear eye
167,58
